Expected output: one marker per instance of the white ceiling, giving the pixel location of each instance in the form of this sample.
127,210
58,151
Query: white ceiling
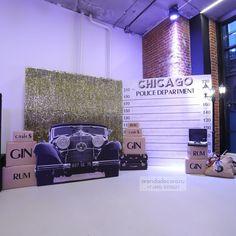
139,16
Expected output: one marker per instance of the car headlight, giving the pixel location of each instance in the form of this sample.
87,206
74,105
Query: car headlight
63,142
98,140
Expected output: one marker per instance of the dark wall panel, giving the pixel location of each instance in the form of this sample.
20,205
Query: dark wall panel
200,49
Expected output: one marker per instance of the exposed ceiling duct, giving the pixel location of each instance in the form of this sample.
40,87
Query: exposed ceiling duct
127,27
139,16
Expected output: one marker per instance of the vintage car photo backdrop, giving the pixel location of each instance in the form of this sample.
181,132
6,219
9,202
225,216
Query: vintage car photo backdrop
166,108
76,152
53,97
77,110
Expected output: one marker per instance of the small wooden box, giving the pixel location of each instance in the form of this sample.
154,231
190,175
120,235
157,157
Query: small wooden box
197,152
23,136
133,125
18,176
195,166
20,153
134,145
133,132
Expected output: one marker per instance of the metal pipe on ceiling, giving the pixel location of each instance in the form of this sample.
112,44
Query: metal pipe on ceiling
188,3
127,27
81,44
78,41
108,45
125,13
76,5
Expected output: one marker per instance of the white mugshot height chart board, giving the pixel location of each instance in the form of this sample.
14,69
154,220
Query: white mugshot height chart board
166,108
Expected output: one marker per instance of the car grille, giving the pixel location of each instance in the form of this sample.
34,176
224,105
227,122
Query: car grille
80,150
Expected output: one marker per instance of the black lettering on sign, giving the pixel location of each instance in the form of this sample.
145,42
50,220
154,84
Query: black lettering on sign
18,176
134,145
21,153
199,153
195,166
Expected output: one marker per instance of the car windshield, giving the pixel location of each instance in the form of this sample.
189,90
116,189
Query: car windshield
69,130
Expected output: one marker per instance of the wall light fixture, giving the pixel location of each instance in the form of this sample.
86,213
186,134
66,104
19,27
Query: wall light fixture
174,13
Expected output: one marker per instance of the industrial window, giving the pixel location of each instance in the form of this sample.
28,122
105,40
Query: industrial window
229,47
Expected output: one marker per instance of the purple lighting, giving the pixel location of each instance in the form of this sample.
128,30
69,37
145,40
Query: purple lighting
174,17
175,55
174,13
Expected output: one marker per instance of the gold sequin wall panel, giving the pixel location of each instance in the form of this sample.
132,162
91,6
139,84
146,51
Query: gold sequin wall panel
53,97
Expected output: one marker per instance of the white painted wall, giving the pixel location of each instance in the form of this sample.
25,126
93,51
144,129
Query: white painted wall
35,33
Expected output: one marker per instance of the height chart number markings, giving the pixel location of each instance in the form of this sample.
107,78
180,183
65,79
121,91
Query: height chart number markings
166,109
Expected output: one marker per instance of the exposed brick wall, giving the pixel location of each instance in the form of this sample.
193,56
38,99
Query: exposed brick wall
166,50
215,79
161,59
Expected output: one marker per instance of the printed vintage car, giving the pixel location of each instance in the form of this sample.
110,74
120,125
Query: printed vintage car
76,149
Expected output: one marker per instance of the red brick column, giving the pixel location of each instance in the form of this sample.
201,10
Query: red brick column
215,79
166,50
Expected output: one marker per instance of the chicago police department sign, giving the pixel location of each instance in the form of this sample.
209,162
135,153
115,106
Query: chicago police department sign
166,109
